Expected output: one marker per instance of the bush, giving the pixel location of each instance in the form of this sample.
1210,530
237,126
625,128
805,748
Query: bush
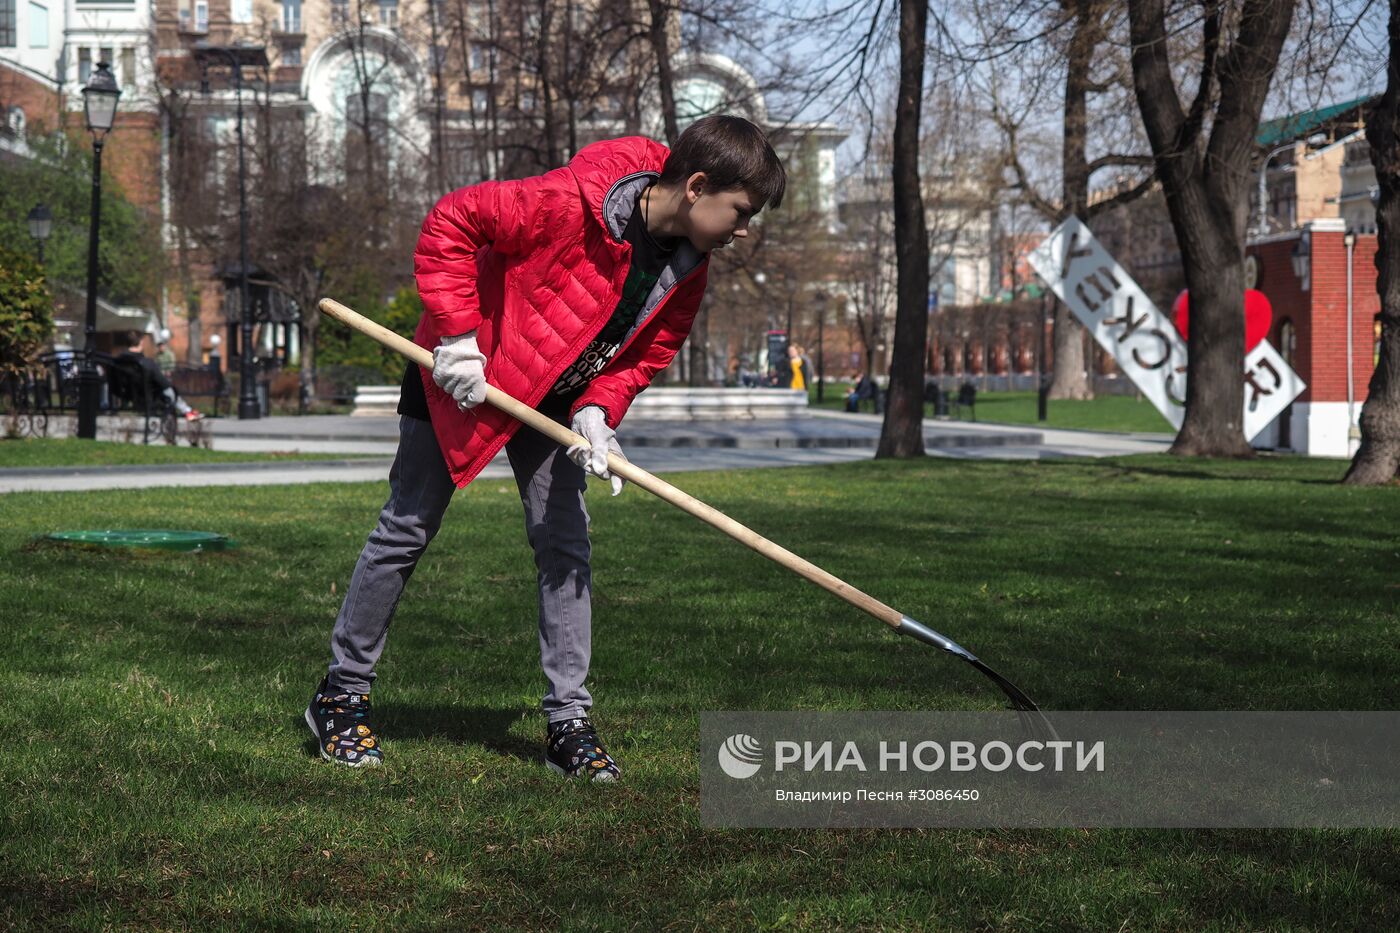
339,347
26,311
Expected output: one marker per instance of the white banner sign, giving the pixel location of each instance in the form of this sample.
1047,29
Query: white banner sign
1269,385
1142,340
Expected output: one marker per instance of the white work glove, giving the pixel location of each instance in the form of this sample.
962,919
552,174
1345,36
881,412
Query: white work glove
593,456
459,369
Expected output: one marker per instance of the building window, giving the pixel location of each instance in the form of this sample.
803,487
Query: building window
104,54
201,16
291,16
479,99
84,63
527,100
128,68
291,55
7,24
389,13
242,11
340,13
38,26
478,56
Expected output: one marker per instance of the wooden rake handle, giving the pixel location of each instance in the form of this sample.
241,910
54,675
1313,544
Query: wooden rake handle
631,472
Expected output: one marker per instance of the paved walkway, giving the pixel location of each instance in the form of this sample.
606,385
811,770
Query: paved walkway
343,434
657,446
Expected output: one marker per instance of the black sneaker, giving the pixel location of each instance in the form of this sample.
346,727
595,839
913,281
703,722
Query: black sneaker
573,750
344,727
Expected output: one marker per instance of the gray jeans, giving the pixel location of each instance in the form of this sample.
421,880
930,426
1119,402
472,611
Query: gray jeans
556,523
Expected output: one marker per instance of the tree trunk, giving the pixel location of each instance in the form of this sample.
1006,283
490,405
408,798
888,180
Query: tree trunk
1204,176
546,99
1070,379
660,46
1378,459
1214,421
1070,375
902,433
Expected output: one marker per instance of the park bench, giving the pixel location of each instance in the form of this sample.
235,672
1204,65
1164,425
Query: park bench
128,390
200,382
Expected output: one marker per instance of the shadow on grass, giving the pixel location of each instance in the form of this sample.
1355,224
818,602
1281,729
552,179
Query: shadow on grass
1248,469
485,726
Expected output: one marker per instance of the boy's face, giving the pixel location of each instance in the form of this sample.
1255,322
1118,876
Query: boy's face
716,218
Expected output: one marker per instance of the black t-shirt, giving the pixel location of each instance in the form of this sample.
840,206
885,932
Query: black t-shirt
649,258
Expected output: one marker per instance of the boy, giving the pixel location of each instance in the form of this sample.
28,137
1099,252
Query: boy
569,291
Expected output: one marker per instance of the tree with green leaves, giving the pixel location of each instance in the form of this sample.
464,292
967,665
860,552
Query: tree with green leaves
130,261
26,311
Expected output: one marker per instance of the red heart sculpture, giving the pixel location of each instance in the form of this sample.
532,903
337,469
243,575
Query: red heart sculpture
1258,316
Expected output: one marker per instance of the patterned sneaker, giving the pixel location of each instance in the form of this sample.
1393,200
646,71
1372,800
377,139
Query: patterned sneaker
344,727
573,750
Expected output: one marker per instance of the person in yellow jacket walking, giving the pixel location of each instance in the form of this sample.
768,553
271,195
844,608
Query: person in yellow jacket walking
797,365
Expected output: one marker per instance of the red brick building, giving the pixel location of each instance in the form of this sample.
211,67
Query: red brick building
1304,274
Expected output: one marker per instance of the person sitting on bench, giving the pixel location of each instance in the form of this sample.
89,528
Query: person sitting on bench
129,353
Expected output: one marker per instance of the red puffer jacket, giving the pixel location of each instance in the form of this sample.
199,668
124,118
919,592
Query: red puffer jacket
536,268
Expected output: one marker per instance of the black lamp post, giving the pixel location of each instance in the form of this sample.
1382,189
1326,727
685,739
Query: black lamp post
1043,389
99,110
40,226
235,57
821,344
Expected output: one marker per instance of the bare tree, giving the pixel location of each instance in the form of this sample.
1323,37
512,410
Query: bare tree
1378,458
902,434
1079,37
1204,155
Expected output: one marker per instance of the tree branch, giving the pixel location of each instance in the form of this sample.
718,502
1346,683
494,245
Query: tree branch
1162,115
1194,120
1118,200
1104,161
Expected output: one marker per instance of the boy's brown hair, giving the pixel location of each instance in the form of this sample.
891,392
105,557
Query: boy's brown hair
733,154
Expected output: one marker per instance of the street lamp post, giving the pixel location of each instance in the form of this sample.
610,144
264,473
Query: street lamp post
99,110
1261,225
821,344
236,56
40,227
1043,389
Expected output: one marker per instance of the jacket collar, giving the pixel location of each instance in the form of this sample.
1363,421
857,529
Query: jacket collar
611,176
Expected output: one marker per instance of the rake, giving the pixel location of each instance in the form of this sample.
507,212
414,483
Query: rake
1032,719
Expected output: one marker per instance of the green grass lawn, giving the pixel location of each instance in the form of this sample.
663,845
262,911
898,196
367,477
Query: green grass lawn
1123,413
157,772
69,451
1105,413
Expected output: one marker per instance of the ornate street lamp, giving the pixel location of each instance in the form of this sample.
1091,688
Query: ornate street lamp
236,57
99,110
40,227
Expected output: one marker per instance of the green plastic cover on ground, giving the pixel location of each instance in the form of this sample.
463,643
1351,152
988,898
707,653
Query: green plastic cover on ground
146,538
